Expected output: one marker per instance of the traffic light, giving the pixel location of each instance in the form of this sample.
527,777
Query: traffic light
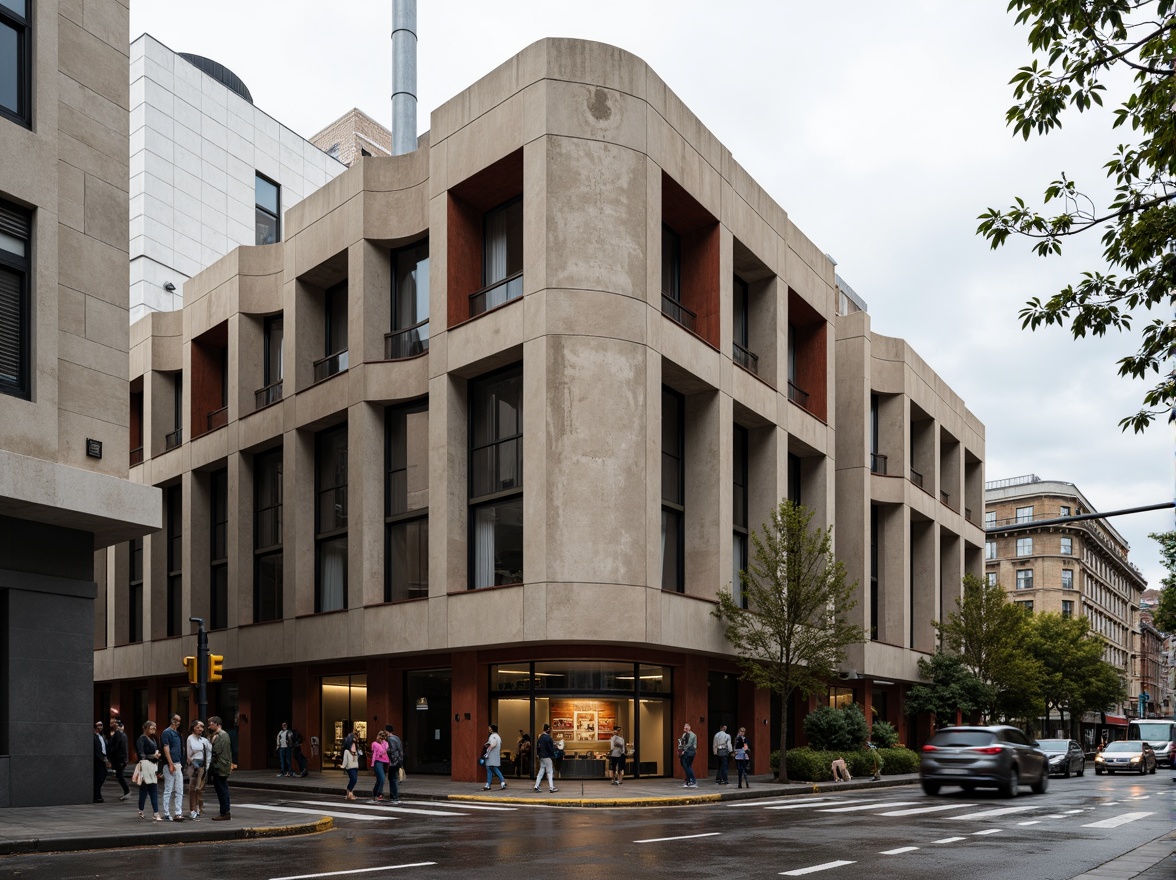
190,665
215,669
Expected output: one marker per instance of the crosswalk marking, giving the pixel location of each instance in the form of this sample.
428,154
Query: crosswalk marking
916,810
1003,811
870,806
986,831
800,872
463,805
898,850
793,805
1116,821
356,871
1031,822
363,817
379,808
1071,812
948,839
682,837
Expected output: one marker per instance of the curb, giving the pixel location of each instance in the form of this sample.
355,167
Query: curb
163,838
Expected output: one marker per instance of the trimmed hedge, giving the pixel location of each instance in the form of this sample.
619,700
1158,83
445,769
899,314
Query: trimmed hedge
810,765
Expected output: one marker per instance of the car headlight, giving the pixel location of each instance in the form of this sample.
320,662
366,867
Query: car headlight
1098,759
1135,760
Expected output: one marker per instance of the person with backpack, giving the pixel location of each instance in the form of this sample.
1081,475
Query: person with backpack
687,746
545,751
296,749
395,762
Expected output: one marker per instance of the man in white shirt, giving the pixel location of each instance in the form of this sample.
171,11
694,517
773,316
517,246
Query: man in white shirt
284,743
721,745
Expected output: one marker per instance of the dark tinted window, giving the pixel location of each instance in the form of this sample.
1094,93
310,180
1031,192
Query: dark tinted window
962,739
15,68
1054,745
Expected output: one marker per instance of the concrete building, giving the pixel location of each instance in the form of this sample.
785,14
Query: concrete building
546,373
63,380
353,136
209,171
1072,568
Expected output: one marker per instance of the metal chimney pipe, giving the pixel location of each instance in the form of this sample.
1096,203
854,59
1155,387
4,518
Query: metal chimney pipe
404,77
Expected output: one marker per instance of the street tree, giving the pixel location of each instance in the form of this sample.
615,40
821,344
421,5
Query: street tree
1074,677
950,689
1165,613
1080,46
793,633
987,633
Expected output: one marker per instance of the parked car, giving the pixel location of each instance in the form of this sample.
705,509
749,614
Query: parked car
998,757
1128,755
1065,756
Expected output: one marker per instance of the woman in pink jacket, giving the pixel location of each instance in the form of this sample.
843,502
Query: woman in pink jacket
380,764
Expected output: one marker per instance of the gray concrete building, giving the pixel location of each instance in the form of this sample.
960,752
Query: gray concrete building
64,409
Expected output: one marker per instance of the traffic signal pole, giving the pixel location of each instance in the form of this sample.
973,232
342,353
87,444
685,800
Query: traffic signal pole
201,667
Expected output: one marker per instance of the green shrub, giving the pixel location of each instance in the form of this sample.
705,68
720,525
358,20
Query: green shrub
899,760
774,762
825,728
884,735
813,765
807,765
856,729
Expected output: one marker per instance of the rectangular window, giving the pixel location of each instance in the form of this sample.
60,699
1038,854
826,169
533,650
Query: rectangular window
1064,511
406,494
330,593
990,549
673,490
1024,579
135,591
1027,604
989,519
1067,578
15,327
410,302
267,536
502,257
741,353
174,498
218,586
794,478
990,577
877,460
1067,609
16,69
273,361
1024,546
739,513
268,211
1067,548
496,479
175,437
1025,514
671,273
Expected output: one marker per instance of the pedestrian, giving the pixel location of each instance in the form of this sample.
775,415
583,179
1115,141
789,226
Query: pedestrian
147,771
687,746
222,765
840,770
119,753
296,751
285,766
101,762
395,762
616,756
492,758
199,760
173,772
721,746
742,757
380,764
545,752
350,764
559,755
523,755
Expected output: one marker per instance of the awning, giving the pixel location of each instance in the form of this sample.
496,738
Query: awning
1119,720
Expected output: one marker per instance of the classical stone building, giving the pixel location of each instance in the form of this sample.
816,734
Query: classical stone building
545,375
64,412
354,136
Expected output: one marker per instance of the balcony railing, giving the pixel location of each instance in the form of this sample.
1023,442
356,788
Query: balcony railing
496,294
674,310
268,395
218,418
878,463
408,342
136,456
916,478
746,359
968,514
330,365
173,439
797,394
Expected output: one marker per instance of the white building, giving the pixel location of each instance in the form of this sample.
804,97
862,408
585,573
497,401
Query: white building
209,171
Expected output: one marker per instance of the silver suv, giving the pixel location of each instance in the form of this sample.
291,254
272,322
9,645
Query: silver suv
983,757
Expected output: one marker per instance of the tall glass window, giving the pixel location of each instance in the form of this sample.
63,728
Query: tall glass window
175,559
218,584
496,479
344,703
502,256
335,325
1024,546
673,490
1067,578
1067,547
990,549
267,536
742,353
410,302
331,520
406,515
268,210
135,591
1025,514
16,70
273,364
739,513
1024,579
15,231
795,478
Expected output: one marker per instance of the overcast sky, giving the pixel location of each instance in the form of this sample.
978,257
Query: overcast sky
878,127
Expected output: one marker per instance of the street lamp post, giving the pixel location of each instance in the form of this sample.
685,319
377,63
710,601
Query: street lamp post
201,667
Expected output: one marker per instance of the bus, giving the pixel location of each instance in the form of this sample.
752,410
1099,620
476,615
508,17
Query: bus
1160,734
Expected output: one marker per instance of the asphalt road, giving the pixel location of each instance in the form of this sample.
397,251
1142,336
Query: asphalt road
1076,826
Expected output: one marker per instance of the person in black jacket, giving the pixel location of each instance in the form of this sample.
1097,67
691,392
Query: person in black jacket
100,761
118,755
545,752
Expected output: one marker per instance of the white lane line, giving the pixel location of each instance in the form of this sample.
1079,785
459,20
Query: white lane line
986,831
1071,812
800,872
1118,820
1054,816
948,839
1031,822
872,806
355,871
1111,804
380,808
683,837
898,851
462,805
917,810
791,805
1003,811
334,815
1139,797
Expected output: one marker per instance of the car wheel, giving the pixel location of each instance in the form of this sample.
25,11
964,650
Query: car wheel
1042,782
1066,772
1010,788
1081,768
969,786
1110,772
931,788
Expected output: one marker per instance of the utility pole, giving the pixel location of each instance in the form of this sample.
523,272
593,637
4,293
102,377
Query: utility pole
201,667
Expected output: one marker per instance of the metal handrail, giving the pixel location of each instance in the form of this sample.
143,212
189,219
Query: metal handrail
218,418
136,456
173,439
494,295
878,463
408,342
797,394
916,478
330,365
746,359
268,395
675,311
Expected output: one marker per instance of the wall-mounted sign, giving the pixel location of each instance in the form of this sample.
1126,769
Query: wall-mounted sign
93,448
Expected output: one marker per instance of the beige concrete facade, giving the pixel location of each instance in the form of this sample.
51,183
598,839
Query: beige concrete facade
64,436
608,163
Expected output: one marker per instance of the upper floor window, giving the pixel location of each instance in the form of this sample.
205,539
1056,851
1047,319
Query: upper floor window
16,68
410,302
1024,579
671,283
174,499
1065,510
742,353
135,591
15,274
1067,548
268,210
218,587
673,490
990,549
334,333
990,578
1024,546
273,361
406,516
739,454
1025,514
1067,578
331,520
496,479
1067,609
1027,604
989,519
267,536
502,257
175,437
